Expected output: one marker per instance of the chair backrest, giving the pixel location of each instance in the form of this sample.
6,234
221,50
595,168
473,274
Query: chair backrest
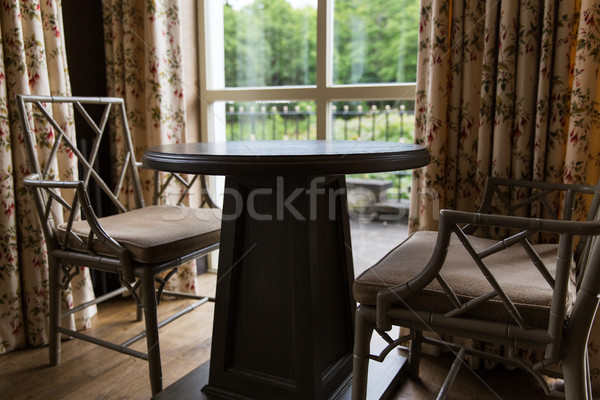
541,196
588,249
53,154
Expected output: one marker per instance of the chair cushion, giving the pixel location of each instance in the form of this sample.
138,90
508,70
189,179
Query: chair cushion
156,233
512,268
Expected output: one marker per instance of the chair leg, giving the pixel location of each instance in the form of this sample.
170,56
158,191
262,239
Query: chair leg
362,346
575,362
54,313
576,375
139,313
588,377
414,355
152,341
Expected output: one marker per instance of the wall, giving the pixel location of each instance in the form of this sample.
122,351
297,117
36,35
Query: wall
84,37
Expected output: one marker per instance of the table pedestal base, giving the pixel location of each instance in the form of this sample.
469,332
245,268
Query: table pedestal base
384,380
284,310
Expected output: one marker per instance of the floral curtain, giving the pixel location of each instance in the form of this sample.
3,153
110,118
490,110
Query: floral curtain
510,89
504,88
144,67
32,61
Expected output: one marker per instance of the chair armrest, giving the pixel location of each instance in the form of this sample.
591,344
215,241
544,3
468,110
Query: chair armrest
81,197
33,180
449,222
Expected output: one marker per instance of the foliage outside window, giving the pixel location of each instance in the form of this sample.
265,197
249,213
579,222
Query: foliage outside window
375,41
272,43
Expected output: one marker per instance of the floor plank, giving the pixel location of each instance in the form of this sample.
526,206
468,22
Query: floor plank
90,372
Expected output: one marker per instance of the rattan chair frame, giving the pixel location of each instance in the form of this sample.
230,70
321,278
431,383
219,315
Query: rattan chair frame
141,280
563,343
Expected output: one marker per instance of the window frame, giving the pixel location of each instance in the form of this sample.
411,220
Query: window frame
324,93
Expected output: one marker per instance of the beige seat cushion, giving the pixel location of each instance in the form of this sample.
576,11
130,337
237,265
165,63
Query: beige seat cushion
512,268
156,233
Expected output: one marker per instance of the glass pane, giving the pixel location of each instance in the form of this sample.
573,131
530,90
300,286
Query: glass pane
270,121
270,42
375,41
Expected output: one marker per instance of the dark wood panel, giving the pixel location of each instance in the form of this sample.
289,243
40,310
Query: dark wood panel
331,279
84,43
285,326
262,289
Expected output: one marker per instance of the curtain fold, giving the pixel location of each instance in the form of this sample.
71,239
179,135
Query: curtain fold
504,88
509,89
144,66
32,61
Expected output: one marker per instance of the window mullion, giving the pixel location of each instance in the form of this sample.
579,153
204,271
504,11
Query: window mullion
324,67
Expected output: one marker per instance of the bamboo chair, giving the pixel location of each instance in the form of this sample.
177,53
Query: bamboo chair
509,292
136,245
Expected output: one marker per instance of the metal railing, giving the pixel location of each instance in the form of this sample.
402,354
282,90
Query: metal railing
297,123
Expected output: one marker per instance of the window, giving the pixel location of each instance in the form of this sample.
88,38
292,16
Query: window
307,69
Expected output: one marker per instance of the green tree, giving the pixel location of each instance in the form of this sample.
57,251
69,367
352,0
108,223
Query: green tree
272,43
230,23
375,41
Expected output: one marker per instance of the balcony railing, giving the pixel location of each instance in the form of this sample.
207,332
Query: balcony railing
350,122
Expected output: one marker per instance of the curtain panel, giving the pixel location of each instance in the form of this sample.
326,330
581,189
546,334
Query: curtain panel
32,61
144,66
509,89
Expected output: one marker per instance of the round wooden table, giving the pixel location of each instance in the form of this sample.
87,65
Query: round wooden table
284,311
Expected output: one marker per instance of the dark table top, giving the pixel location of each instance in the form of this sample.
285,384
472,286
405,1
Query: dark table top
277,157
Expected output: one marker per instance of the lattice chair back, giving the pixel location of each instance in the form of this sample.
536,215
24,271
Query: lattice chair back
587,244
186,184
55,157
574,256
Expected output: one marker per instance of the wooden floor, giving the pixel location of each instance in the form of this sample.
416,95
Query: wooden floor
91,372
